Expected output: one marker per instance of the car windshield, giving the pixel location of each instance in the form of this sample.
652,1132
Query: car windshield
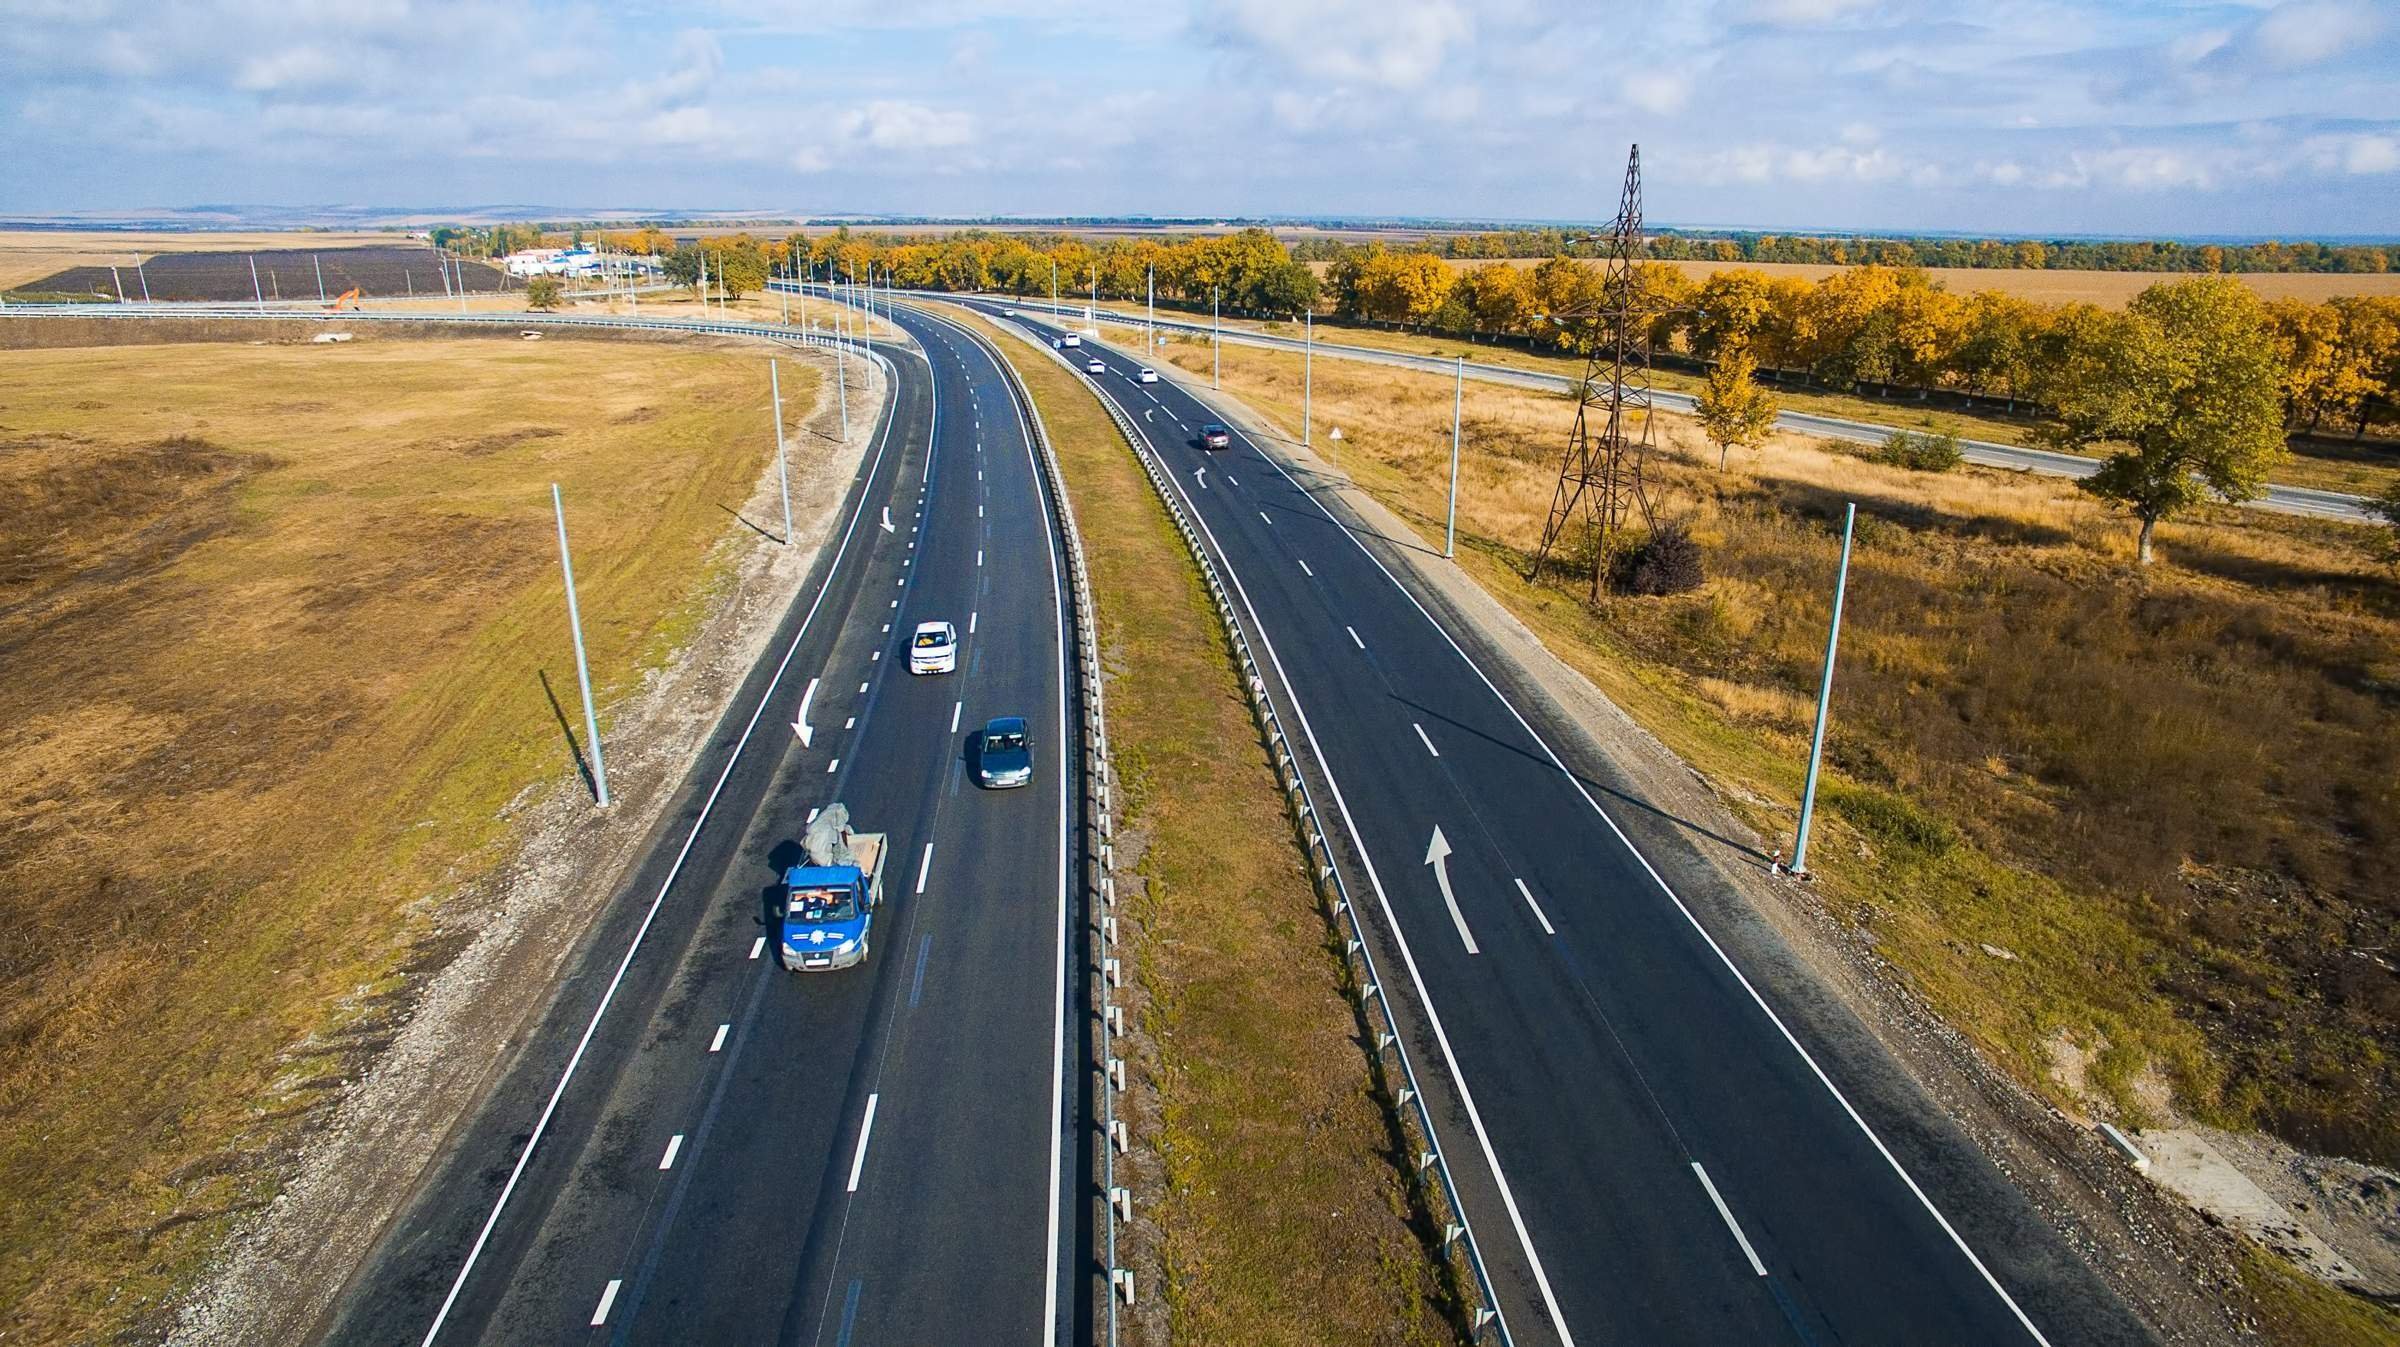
1212,428
926,640
1005,741
818,907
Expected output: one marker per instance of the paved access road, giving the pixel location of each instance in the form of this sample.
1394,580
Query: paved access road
1657,1142
882,1155
2283,499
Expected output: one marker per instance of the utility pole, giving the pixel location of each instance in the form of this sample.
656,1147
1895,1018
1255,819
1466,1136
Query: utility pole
1054,292
583,673
314,261
256,297
1816,743
1216,342
841,384
783,472
1308,377
142,276
116,281
1458,403
1091,319
1150,325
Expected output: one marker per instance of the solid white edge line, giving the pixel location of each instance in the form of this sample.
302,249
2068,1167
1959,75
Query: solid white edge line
674,1147
1730,1223
866,1128
608,1297
1956,1239
1421,738
717,1044
1547,928
923,866
1408,958
1058,1009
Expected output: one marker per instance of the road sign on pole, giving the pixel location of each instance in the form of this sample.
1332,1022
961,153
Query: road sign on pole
1816,743
583,673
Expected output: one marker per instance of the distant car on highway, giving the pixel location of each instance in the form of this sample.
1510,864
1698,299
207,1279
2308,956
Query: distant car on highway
1004,754
1070,341
1215,436
1096,365
1148,376
933,649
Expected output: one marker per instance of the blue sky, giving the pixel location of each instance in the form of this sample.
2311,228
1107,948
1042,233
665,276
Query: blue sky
2028,116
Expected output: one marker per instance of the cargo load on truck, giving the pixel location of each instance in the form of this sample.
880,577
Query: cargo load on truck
826,914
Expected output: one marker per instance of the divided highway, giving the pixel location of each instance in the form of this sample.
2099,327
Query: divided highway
2283,499
1655,1146
722,1151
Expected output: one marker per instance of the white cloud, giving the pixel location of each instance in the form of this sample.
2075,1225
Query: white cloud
1390,44
894,124
2308,31
1659,91
2359,155
1801,13
290,68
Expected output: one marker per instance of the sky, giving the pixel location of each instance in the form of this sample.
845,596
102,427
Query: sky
2047,117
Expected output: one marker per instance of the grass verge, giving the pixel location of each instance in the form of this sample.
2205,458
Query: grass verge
286,640
1280,1211
2126,831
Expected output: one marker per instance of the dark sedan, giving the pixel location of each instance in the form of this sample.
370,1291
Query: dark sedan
1004,754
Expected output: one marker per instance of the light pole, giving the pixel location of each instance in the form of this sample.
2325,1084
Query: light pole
1308,376
1150,324
783,472
314,261
1054,292
1816,743
256,298
583,673
1216,342
841,386
142,276
1091,316
1458,402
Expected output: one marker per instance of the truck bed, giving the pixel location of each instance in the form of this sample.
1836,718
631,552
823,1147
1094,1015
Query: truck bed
868,849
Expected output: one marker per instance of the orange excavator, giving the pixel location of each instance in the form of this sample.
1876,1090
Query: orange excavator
349,296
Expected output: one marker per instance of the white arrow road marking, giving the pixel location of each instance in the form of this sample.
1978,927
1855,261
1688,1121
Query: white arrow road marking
1437,855
887,520
1149,413
1201,476
800,725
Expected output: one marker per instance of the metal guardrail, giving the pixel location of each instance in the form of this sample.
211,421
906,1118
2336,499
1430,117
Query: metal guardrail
1431,1174
1099,842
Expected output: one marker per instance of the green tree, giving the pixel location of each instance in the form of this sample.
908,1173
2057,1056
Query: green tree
683,265
1733,410
544,292
2187,386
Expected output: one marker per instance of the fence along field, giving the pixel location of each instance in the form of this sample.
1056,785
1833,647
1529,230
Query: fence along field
283,273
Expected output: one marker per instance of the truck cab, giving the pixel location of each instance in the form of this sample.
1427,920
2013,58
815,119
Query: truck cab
826,911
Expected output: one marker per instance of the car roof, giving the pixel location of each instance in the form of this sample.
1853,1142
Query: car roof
923,627
1212,425
1005,725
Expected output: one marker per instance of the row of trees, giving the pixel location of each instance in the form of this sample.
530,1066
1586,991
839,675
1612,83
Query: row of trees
1854,250
2337,363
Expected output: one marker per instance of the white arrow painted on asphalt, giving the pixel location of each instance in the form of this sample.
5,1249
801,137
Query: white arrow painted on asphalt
887,519
800,725
1149,413
1201,476
1438,856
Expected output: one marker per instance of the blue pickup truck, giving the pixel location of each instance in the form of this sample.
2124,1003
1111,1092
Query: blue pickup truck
828,906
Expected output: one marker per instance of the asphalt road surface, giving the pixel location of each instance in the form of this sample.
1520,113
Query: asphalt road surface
888,1154
2284,499
1664,1131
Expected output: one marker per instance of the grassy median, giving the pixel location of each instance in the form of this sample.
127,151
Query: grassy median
1279,1214
285,639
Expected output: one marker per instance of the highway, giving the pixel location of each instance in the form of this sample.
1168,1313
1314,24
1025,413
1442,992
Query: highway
2298,500
721,1151
1663,1133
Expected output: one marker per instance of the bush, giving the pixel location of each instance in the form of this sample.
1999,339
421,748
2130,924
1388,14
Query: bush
544,292
1667,562
1920,452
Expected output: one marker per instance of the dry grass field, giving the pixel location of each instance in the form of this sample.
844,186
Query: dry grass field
284,634
26,254
1279,1214
2172,799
